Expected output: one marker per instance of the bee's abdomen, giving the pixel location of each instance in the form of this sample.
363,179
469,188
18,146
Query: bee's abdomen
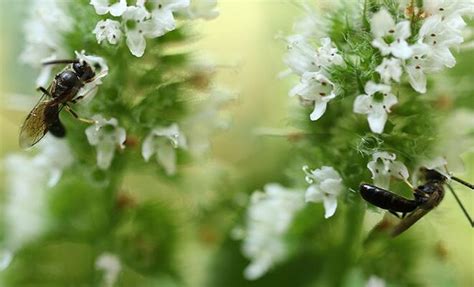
385,199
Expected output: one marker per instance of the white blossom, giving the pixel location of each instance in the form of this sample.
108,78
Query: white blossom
315,89
325,186
375,281
6,257
90,88
103,7
269,216
209,117
205,9
451,11
375,103
145,20
390,37
106,136
108,29
383,166
136,26
48,21
390,69
111,266
301,55
328,55
27,182
163,141
418,66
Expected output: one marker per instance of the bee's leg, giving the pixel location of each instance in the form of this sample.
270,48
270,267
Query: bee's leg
409,184
394,213
74,114
44,91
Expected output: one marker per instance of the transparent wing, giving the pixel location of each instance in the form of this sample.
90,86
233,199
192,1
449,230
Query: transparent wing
35,127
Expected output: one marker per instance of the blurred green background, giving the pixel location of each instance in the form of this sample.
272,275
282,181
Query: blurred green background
242,42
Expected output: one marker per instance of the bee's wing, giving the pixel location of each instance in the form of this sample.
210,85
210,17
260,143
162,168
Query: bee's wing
35,126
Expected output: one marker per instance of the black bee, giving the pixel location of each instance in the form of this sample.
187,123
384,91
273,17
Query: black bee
427,197
63,90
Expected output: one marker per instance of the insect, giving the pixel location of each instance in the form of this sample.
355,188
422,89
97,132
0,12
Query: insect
61,92
427,197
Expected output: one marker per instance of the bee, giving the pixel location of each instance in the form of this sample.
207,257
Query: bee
427,197
63,91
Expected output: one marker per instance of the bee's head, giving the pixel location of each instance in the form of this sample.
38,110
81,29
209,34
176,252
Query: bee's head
83,70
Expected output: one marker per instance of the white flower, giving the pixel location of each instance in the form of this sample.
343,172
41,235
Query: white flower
201,125
301,55
315,89
375,281
135,20
27,182
162,19
90,88
103,7
376,103
111,266
325,186
106,135
328,55
450,10
383,166
48,21
108,29
439,37
390,69
54,156
205,9
6,257
269,216
163,141
418,65
390,38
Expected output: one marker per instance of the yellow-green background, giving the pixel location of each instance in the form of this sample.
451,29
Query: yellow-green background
242,41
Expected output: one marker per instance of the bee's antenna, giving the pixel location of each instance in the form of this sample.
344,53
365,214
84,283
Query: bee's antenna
55,62
460,205
470,185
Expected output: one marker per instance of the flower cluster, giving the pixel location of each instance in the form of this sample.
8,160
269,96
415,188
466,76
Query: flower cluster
325,186
429,52
269,216
417,53
146,19
315,87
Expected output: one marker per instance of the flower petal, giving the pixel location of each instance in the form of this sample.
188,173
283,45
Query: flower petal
377,119
330,205
136,43
148,147
417,79
118,9
319,109
362,104
381,23
313,194
166,156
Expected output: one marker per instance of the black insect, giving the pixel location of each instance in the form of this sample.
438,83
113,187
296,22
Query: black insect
61,92
427,196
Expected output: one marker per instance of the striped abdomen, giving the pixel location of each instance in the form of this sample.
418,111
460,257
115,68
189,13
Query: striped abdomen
386,199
